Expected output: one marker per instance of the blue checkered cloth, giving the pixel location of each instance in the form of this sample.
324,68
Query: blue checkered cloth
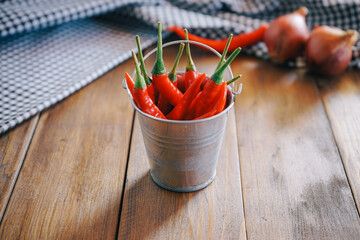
51,48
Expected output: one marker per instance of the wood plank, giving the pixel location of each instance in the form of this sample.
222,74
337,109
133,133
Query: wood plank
13,147
216,212
294,184
342,104
71,182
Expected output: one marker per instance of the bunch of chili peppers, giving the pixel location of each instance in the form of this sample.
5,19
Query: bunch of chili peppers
174,96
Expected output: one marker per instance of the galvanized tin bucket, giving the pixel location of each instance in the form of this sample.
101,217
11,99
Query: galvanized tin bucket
183,154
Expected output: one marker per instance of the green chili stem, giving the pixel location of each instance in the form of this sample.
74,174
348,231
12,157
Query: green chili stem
142,63
159,67
233,80
224,52
217,77
139,80
190,66
172,73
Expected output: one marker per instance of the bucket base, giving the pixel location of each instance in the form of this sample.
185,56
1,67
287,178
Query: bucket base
183,189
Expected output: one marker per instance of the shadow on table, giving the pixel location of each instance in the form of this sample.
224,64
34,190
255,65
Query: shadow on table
345,83
283,95
150,212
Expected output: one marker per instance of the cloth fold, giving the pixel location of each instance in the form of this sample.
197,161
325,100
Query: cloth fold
51,48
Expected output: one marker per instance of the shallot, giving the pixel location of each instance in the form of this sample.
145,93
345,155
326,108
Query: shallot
328,50
286,36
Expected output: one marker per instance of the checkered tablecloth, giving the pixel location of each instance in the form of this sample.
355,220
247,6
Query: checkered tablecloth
51,48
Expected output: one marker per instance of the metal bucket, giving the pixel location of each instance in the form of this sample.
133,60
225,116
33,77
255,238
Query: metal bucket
183,154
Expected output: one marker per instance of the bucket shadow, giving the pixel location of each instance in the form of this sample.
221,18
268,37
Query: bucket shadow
147,207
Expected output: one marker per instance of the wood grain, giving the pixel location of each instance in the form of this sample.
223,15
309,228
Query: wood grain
216,212
294,184
341,97
13,147
71,181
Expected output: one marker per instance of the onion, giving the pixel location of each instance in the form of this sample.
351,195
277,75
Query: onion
286,36
328,50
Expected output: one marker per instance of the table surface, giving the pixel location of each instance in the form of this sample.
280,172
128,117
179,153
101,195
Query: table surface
289,166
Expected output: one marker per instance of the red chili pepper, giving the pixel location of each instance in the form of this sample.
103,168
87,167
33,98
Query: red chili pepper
130,84
190,77
141,96
220,99
144,102
219,104
206,79
181,82
211,89
205,100
148,81
151,91
180,110
241,40
162,103
160,78
180,76
191,110
167,89
206,115
190,72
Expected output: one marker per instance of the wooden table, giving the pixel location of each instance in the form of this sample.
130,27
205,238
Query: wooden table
289,167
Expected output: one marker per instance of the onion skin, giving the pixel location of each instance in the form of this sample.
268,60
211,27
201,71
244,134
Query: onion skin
286,36
328,50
